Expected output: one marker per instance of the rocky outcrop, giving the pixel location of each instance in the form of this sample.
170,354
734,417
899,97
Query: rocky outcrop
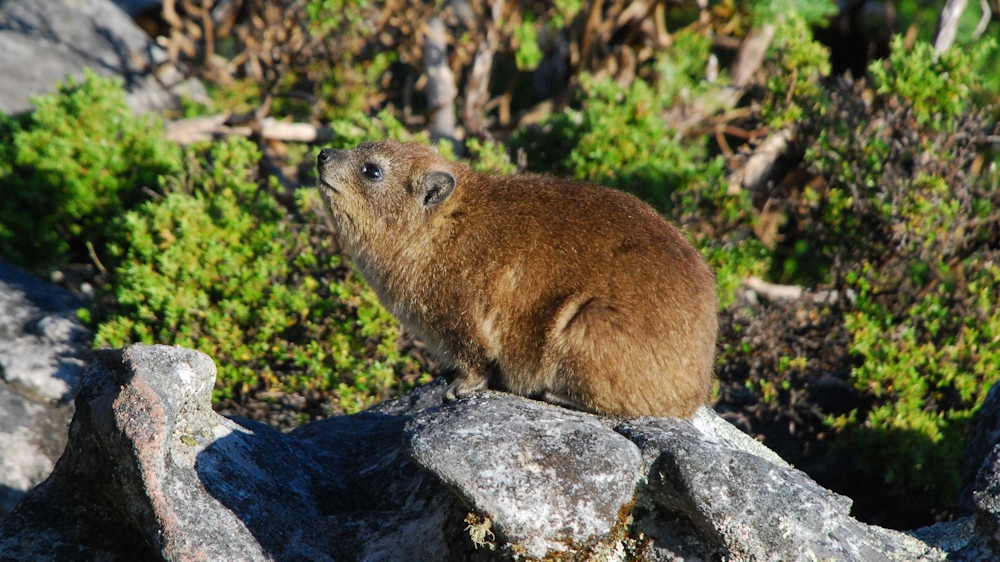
501,454
151,472
45,42
42,350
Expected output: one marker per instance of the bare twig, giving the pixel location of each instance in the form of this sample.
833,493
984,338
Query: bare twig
94,258
984,20
589,32
477,92
760,168
536,114
773,291
776,292
948,25
209,26
272,129
187,131
441,89
751,55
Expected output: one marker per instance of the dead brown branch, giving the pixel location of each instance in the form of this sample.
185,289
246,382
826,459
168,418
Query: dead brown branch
187,131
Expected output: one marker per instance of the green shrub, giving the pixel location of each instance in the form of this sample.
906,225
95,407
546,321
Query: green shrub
625,142
929,370
901,217
794,82
216,265
811,12
489,157
938,89
73,166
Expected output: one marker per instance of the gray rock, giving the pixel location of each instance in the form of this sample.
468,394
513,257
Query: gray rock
959,539
42,350
986,498
748,506
980,496
720,431
40,337
43,43
980,447
549,483
152,473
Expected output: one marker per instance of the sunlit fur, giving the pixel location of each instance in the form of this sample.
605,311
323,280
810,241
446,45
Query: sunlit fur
570,292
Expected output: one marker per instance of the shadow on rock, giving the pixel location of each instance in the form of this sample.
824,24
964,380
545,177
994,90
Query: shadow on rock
9,498
334,490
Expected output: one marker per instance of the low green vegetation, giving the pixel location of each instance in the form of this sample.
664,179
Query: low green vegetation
215,265
889,196
201,252
902,220
69,169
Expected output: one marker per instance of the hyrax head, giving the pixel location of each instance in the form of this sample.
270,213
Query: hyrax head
382,187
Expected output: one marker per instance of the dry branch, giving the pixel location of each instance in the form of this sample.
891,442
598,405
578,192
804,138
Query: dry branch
984,20
194,129
187,131
441,89
477,91
751,55
773,291
948,25
760,169
776,292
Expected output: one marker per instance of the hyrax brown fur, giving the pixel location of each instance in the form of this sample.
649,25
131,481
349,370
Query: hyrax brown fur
573,293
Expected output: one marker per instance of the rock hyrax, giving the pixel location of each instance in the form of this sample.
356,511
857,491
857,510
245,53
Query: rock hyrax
573,293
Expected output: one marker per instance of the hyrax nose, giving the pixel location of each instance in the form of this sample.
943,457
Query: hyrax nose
328,155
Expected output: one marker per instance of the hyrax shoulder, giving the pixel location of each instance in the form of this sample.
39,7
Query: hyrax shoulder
570,292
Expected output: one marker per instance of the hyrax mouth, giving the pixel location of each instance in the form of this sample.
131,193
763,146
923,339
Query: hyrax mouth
326,160
325,185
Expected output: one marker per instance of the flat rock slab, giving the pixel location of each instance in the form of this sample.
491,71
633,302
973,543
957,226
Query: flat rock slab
549,484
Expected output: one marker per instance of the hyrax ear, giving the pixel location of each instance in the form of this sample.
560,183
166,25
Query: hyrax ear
435,187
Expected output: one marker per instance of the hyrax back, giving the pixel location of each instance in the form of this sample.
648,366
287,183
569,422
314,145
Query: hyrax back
573,293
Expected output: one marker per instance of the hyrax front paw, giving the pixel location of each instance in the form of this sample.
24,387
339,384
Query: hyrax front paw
464,385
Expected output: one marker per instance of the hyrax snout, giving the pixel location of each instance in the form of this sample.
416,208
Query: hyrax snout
569,292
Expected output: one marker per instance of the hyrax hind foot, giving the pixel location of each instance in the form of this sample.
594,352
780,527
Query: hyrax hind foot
465,385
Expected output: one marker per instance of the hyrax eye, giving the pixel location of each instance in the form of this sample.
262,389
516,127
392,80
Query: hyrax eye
371,171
